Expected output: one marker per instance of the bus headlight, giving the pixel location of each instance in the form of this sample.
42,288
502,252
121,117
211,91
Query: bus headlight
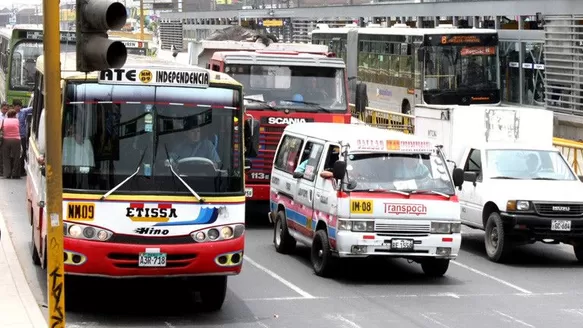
218,233
87,232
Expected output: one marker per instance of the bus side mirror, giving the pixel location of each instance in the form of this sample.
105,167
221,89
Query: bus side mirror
43,171
248,164
458,177
339,170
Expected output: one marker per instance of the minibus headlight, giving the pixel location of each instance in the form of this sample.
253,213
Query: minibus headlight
441,227
356,226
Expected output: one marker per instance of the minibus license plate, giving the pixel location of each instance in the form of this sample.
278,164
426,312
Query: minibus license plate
152,260
561,225
402,244
248,192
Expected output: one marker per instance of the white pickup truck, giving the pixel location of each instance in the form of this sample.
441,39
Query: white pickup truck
517,187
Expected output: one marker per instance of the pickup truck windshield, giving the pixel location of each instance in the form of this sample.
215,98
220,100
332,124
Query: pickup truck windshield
528,165
406,172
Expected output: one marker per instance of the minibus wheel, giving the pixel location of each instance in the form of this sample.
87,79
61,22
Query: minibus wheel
435,267
213,292
283,241
321,255
498,246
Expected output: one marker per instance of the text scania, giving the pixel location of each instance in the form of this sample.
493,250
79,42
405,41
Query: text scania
182,77
416,209
285,120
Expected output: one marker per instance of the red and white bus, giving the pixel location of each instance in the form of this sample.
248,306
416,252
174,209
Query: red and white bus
138,201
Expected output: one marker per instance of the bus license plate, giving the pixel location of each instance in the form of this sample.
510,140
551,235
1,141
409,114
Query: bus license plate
152,260
561,225
248,192
402,244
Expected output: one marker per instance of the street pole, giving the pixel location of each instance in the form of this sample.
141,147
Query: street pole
52,82
142,20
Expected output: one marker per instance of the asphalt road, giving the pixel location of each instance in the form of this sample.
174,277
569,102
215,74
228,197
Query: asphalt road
541,289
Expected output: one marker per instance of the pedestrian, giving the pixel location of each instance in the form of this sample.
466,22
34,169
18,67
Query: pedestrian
3,111
22,113
11,145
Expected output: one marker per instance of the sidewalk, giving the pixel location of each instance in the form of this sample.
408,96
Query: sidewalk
18,307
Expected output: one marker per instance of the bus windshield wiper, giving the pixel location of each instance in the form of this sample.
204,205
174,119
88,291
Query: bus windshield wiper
200,200
318,106
127,179
505,177
431,192
263,102
541,178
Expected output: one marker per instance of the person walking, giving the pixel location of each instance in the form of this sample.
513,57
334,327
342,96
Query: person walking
3,110
11,146
21,114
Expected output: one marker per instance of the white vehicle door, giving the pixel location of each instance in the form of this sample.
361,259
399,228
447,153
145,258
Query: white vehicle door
470,196
305,192
325,202
286,162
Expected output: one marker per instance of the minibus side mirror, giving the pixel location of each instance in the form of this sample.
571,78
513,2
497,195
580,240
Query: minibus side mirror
248,164
298,175
471,177
339,170
458,177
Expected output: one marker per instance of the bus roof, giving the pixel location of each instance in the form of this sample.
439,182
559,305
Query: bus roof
401,29
247,45
363,137
69,69
278,58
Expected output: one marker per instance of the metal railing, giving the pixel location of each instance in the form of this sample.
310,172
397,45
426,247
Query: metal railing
571,149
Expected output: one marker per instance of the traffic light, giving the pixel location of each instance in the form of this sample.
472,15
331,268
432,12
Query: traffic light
95,52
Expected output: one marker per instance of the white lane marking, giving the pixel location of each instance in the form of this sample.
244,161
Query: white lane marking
300,298
280,279
342,319
514,319
169,325
434,320
574,311
503,282
260,324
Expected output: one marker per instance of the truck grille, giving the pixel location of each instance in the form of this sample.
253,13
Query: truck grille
559,209
269,136
402,228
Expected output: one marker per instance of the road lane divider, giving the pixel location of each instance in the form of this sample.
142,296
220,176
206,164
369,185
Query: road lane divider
277,277
508,316
503,282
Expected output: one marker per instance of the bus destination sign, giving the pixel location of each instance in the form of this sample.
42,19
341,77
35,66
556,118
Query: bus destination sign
38,35
472,40
168,77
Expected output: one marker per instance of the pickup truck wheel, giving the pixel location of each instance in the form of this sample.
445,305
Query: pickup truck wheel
435,267
321,255
578,249
498,246
283,241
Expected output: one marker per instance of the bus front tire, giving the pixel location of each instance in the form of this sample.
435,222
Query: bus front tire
213,292
435,267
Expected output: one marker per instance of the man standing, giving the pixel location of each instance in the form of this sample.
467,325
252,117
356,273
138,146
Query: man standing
21,114
3,111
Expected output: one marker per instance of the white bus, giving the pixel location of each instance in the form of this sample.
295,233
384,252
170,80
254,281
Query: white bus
403,66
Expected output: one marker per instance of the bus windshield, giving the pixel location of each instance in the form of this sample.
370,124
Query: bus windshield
165,134
23,66
460,68
302,88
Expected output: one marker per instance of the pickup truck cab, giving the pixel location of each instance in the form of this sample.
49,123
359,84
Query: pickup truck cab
517,187
354,191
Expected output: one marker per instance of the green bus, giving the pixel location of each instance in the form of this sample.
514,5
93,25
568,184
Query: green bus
19,48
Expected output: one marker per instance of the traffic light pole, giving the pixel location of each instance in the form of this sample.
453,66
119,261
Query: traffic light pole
52,84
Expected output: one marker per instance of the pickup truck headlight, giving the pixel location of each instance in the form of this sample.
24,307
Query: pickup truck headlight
445,227
356,226
518,205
